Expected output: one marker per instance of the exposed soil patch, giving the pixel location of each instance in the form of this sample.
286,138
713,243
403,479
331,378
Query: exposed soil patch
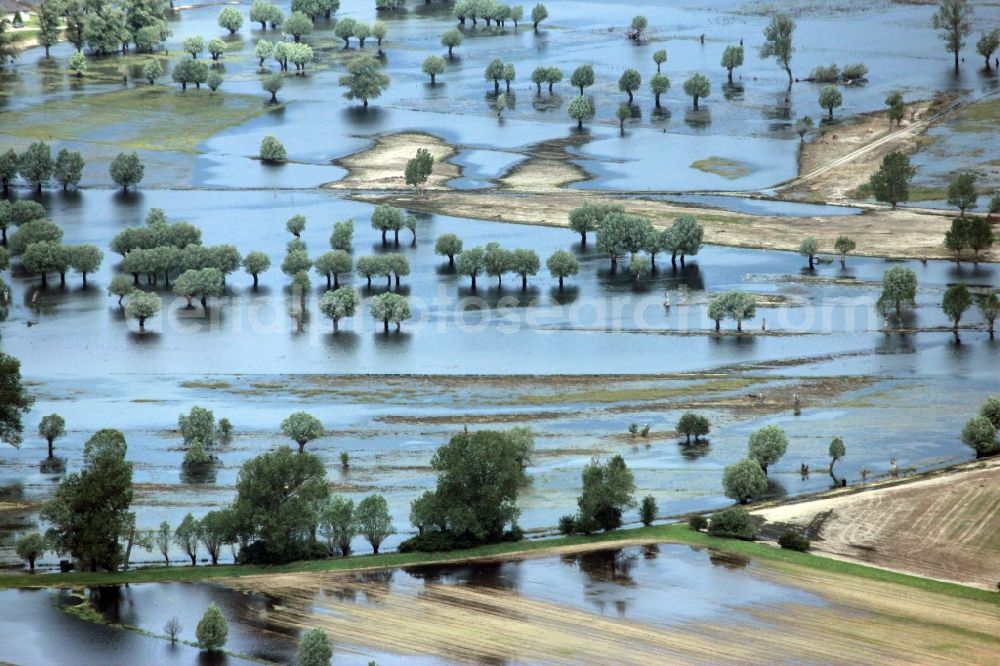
944,526
381,167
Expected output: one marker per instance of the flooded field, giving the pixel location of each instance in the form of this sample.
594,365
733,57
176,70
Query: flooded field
577,364
656,599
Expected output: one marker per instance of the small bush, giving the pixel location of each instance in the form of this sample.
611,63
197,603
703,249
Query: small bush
792,540
271,150
733,523
567,525
698,522
434,542
634,429
854,73
645,431
647,510
345,460
823,74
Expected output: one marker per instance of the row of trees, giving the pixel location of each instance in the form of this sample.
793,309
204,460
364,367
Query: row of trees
619,232
36,167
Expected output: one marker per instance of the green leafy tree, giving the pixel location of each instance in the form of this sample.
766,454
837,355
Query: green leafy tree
471,262
335,305
767,445
899,288
580,110
419,168
337,523
744,480
991,410
187,535
194,45
432,66
696,88
659,84
331,265
778,43
212,631
36,231
14,400
302,427
51,428
955,302
296,225
837,451
989,306
85,259
608,489
120,286
448,245
345,29
363,80
277,494
141,306
956,239
659,57
538,14
981,435
216,47
49,28
68,168
803,125
374,521
693,424
256,263
30,547
451,38
509,74
479,475
231,19
525,263
216,530
843,246
197,424
342,235
298,24
88,511
562,264
8,171
390,307
891,183
962,192
647,510
638,26
315,649
954,21
498,261
583,77
732,57
987,44
897,108
808,248
629,82
126,170
379,31
35,165
830,98
271,150
272,84
386,218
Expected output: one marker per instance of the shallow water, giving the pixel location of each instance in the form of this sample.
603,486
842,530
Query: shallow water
665,584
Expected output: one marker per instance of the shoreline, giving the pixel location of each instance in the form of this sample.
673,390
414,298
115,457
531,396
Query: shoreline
664,533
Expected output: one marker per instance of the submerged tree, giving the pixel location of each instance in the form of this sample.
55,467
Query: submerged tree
778,43
954,19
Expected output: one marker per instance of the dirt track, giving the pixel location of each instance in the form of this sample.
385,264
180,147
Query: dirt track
945,527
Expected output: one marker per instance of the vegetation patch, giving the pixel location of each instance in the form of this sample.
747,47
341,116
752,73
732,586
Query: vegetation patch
144,118
721,166
636,394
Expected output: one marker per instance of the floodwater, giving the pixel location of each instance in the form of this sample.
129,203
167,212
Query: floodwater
104,374
660,585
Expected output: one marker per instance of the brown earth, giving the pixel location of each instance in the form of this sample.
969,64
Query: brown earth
944,526
860,621
835,163
381,166
842,156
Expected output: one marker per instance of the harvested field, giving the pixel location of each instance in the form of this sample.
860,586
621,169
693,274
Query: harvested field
945,526
852,620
